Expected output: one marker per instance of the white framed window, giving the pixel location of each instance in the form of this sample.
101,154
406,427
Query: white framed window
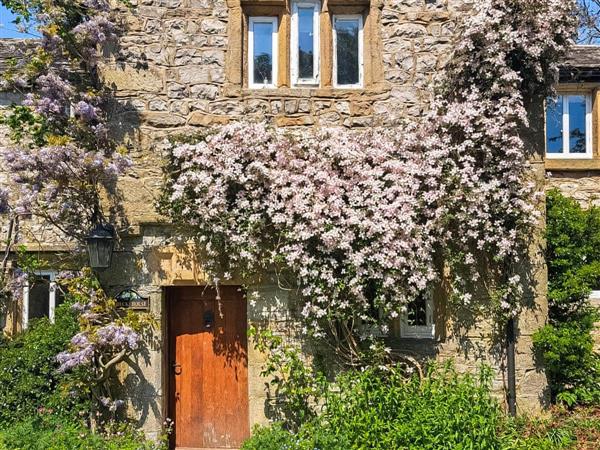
569,126
262,52
40,297
417,321
305,43
348,51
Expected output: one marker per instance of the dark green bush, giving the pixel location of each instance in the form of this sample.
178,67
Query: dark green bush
41,409
28,377
383,410
573,258
49,432
572,367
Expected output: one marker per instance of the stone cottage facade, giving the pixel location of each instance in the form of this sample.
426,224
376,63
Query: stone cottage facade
181,65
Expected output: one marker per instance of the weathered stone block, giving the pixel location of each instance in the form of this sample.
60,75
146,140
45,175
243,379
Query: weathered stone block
198,118
163,120
129,79
213,26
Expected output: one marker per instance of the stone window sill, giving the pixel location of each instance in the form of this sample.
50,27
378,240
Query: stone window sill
235,91
573,164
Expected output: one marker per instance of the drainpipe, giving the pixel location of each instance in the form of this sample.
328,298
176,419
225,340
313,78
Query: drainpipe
510,367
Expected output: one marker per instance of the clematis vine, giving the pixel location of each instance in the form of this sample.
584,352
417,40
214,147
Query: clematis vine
488,207
364,221
338,211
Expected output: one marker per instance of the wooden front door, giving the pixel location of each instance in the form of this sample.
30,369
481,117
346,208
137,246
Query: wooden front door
208,357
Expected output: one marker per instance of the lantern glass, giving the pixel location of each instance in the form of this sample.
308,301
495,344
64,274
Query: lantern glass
100,244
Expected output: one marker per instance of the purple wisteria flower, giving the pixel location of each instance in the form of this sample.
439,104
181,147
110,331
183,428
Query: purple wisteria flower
70,360
86,111
4,206
114,335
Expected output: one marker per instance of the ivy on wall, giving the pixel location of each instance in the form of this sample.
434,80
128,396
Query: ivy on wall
573,258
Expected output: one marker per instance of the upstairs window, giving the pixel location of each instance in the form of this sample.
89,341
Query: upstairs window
417,321
348,51
305,43
262,52
569,126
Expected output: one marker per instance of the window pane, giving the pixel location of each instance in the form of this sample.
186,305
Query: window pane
347,51
263,53
59,297
305,42
39,298
577,113
554,124
417,312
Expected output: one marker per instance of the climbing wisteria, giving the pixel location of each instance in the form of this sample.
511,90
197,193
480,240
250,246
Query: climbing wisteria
363,222
62,169
106,336
61,159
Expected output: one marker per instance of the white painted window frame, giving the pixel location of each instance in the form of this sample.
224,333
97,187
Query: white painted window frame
274,35
358,17
565,130
51,274
420,331
294,42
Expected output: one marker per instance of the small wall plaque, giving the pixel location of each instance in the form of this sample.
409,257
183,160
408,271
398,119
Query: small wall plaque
131,299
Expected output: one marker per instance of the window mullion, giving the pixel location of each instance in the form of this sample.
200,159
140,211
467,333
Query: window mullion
588,126
294,43
52,301
25,318
316,43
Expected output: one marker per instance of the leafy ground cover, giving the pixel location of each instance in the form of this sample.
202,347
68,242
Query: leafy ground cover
444,410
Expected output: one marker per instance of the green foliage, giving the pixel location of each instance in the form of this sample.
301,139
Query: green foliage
572,367
28,377
297,387
47,432
43,409
382,409
22,122
573,258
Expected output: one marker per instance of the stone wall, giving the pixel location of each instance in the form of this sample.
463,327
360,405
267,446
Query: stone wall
582,186
178,68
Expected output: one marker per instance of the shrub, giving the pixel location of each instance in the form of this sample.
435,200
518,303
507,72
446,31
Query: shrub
573,258
375,409
42,408
28,377
572,367
48,432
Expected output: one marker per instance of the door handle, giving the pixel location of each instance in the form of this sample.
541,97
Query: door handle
177,369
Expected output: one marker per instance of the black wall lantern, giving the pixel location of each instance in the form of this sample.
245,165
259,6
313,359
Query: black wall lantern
100,244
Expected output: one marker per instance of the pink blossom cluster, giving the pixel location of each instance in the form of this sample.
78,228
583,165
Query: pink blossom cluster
359,218
341,210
